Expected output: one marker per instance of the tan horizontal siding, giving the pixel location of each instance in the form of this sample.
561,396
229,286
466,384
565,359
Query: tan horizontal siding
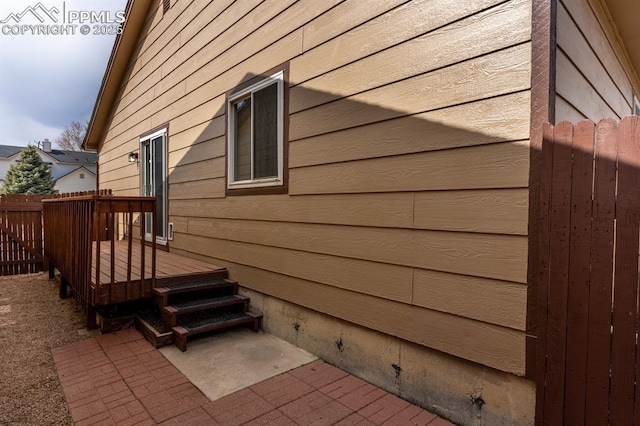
592,77
503,118
194,33
271,57
492,256
498,347
601,41
376,210
396,26
157,24
342,18
485,32
206,150
502,72
209,188
124,179
492,301
501,165
384,280
203,132
576,89
501,211
119,168
117,183
216,57
483,211
179,223
567,112
576,47
163,108
496,302
124,142
408,159
206,169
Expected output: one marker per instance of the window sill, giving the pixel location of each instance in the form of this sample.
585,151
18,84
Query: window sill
262,183
253,190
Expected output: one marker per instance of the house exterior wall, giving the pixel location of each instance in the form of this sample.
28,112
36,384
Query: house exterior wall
77,181
594,78
406,215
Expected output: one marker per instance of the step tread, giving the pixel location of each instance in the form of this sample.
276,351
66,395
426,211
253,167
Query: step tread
216,321
196,285
206,303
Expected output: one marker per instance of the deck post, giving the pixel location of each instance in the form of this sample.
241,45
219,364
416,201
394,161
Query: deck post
52,270
91,317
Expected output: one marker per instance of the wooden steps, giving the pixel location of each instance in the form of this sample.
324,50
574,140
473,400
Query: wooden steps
162,293
223,321
191,308
170,313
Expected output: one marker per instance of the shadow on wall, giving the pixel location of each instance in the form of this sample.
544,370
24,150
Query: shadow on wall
352,162
351,137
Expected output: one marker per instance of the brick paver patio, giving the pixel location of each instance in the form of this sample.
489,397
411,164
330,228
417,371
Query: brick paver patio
120,379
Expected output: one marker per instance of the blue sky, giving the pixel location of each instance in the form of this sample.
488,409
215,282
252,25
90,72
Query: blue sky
49,80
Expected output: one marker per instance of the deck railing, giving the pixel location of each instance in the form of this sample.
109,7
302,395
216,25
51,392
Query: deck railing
81,230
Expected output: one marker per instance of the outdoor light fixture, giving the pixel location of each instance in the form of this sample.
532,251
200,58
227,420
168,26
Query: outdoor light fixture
133,157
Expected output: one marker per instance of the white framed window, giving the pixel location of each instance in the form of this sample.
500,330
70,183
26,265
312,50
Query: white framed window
255,142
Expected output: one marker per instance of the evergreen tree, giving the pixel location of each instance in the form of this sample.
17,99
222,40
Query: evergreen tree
29,175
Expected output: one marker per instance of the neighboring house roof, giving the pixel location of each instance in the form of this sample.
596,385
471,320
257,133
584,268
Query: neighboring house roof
123,48
59,155
75,170
7,151
74,157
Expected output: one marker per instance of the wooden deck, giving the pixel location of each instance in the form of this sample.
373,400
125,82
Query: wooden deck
170,268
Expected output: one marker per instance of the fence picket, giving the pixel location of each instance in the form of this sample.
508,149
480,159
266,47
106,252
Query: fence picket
558,271
626,278
579,262
543,284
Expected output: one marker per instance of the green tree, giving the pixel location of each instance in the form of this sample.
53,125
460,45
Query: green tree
29,175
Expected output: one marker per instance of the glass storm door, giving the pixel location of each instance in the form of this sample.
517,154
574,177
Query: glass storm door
154,181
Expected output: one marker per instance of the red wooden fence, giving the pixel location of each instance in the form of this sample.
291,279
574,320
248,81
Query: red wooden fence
588,360
20,234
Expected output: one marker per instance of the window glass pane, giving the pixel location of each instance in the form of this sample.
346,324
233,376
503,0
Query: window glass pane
265,132
242,139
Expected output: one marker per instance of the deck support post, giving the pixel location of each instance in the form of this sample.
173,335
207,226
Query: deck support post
52,271
91,317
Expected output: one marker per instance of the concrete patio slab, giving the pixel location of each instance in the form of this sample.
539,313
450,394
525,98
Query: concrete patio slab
224,363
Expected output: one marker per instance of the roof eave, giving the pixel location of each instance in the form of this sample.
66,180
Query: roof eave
123,48
624,14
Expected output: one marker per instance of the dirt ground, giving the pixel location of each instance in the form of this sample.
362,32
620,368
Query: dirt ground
33,320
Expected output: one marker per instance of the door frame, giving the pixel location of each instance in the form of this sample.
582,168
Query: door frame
163,204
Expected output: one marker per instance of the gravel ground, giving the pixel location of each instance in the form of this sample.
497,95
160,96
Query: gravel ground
33,320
